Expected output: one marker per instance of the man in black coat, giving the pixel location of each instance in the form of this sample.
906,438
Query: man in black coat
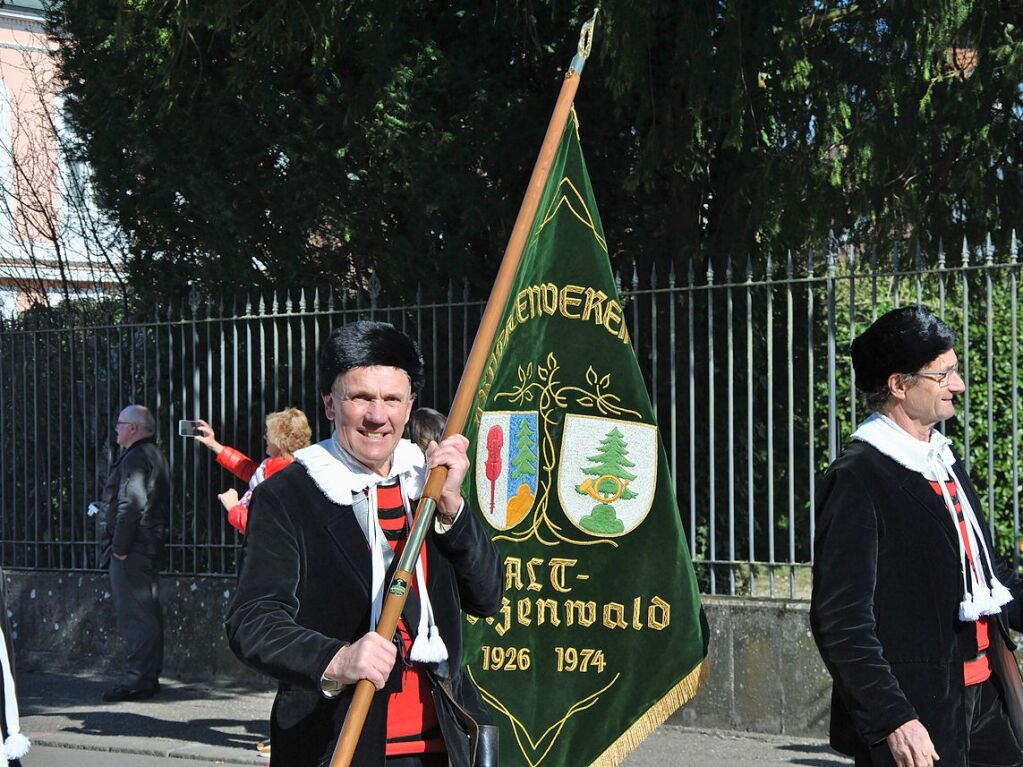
910,606
324,537
134,509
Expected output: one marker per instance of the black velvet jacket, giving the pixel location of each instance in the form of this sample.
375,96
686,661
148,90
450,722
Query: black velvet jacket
886,593
303,591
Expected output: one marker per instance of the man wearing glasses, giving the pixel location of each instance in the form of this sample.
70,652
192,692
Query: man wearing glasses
134,508
911,608
323,538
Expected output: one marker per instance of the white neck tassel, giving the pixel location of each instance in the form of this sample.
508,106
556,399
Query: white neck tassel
16,745
377,559
981,595
428,646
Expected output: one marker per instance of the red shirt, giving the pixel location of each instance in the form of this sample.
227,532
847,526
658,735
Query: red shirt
412,726
978,669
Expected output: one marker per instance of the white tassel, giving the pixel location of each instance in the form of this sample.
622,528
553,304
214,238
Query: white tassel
985,604
1000,594
429,647
16,746
437,646
968,610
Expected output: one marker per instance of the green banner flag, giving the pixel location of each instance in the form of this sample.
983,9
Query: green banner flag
601,635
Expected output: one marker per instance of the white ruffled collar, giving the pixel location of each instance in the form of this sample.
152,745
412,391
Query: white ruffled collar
339,476
898,444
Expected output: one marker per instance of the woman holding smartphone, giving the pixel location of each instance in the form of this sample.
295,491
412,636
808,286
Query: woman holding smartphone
286,431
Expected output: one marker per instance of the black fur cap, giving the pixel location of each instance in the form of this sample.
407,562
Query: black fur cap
365,344
900,341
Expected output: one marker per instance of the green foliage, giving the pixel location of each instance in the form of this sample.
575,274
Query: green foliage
253,143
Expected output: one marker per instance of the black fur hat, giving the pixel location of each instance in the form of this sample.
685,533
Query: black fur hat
900,341
364,344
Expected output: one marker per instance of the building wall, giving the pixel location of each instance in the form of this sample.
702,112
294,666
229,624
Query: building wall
43,252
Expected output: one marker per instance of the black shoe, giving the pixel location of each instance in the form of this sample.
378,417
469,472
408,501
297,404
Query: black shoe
123,692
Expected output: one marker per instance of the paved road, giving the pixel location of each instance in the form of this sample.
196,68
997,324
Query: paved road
189,725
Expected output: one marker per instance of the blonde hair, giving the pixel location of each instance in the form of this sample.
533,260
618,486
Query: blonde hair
289,430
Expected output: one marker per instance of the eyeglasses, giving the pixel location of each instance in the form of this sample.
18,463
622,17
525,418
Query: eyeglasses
942,377
125,423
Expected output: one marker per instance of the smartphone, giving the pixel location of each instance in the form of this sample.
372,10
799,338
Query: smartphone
188,428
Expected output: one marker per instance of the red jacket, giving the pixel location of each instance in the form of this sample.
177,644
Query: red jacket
245,468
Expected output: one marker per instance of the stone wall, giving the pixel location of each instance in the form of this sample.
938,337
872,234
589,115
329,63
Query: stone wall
766,675
64,623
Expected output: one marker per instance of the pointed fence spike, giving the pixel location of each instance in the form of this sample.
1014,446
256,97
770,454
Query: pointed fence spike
653,276
1013,247
671,273
749,267
941,253
917,257
989,250
966,252
692,276
788,263
635,276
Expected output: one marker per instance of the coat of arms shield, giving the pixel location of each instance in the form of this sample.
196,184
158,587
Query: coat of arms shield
607,474
507,466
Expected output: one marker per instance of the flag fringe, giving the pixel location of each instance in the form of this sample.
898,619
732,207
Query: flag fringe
655,716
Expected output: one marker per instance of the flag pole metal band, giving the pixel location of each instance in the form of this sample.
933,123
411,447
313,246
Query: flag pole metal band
416,536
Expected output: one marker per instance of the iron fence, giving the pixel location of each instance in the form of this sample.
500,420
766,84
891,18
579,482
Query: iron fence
747,371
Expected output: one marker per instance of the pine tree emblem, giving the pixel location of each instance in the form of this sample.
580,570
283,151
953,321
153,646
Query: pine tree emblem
609,482
524,460
523,469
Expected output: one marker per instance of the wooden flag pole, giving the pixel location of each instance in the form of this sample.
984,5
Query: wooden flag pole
397,591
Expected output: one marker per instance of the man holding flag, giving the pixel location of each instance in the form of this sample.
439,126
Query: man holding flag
324,538
579,663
